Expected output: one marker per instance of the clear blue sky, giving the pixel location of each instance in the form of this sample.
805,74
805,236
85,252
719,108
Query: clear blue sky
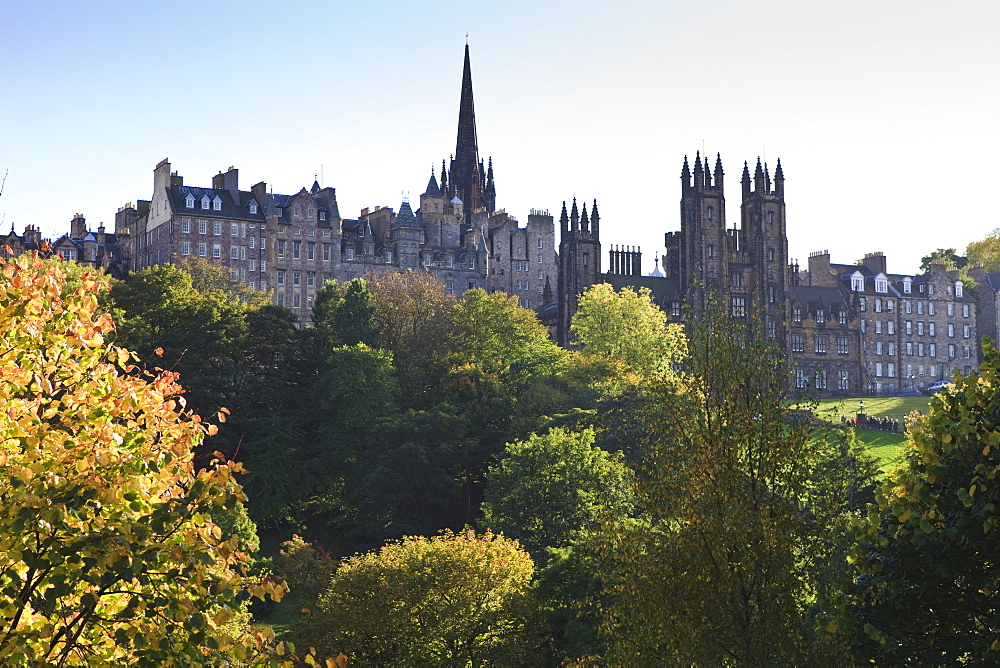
884,113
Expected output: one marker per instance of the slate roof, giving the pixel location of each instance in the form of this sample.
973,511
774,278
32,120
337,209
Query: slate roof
665,290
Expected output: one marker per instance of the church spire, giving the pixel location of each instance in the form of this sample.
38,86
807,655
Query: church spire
466,178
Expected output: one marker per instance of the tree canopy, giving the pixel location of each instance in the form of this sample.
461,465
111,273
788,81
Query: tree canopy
108,551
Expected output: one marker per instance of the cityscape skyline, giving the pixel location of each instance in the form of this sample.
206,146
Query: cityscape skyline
878,113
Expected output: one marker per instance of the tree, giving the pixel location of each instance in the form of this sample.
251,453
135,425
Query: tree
927,560
108,553
491,330
711,572
627,328
354,318
550,487
947,255
985,252
450,600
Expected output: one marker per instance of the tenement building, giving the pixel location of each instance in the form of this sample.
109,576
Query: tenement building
290,245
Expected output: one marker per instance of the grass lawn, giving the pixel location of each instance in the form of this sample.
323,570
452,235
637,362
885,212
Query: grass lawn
887,446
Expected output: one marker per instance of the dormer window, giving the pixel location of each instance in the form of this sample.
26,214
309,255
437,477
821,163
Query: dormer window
279,212
348,253
820,316
958,288
881,284
217,204
189,201
857,282
322,215
205,203
388,257
907,285
253,208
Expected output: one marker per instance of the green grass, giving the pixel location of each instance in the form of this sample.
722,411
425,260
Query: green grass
887,446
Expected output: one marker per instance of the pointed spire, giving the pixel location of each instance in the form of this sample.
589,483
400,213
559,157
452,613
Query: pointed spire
432,186
699,173
686,174
718,170
466,170
779,179
563,219
746,180
574,217
315,187
758,178
444,178
585,220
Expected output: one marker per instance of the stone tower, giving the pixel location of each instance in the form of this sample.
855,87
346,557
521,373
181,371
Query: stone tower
765,241
702,257
469,180
579,262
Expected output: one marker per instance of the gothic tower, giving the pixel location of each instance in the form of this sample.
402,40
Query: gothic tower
703,257
579,262
469,180
762,217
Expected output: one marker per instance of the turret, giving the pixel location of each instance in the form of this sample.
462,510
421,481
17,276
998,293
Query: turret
718,170
585,221
595,222
563,221
746,180
699,173
574,217
779,180
758,179
685,175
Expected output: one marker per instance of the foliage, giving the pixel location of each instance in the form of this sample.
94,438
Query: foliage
946,255
491,330
108,554
354,319
304,566
627,328
985,252
210,278
453,599
844,475
713,571
927,558
550,487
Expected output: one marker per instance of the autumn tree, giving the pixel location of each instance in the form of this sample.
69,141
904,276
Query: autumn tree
711,570
108,551
927,560
985,252
449,600
625,327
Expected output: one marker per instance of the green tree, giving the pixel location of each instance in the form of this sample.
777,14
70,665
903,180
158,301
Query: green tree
927,559
711,572
355,317
108,551
450,600
491,330
627,328
947,255
985,252
550,487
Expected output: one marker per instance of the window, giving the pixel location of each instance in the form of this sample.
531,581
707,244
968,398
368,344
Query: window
878,305
966,352
736,279
708,213
796,314
277,210
296,278
234,253
842,317
920,328
966,331
890,349
296,300
217,227
326,252
908,327
907,285
281,277
862,304
253,265
311,251
890,305
930,328
281,299
281,247
920,350
427,259
878,326
770,255
965,310
878,347
189,201
675,309
739,306
843,345
185,248
930,308
958,288
311,279
951,329
800,379
820,316
201,250
388,256
857,283
951,351
586,258
890,369
711,250
863,327
881,285
890,326
186,225
202,227
253,208
296,250
931,350
798,341
844,382
216,250
819,344
217,204
253,240
349,253
234,229
297,211
263,267
878,369
820,379
909,347
909,307
322,215
263,242
920,308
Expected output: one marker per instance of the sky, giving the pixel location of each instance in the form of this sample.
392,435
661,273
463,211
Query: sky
884,113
